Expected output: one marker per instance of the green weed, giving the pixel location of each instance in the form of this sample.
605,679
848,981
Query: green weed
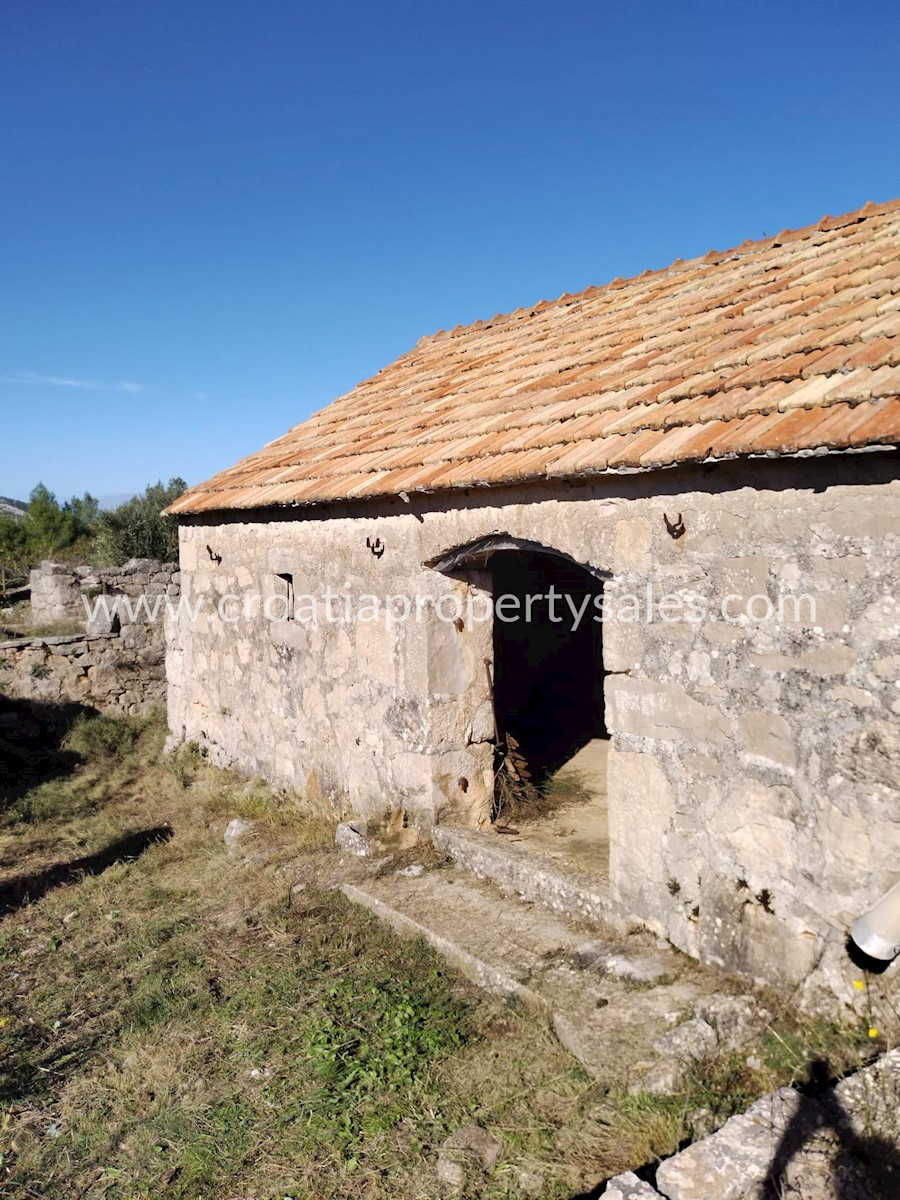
98,736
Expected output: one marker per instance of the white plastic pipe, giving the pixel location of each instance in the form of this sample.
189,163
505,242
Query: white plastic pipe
877,932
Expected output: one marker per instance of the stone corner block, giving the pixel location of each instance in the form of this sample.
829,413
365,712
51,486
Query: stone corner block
729,1163
629,1187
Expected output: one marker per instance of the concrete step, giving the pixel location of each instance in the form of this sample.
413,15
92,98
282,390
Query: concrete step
518,870
607,998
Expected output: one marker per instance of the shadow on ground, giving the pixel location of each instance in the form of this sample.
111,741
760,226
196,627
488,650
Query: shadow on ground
23,889
862,1165
31,745
32,736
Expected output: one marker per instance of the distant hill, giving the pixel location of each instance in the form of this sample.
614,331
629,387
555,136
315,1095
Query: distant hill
17,508
115,499
12,508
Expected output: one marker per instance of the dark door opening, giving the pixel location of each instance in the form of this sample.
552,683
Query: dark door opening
548,658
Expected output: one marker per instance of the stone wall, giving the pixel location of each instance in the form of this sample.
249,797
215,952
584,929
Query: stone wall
119,673
62,594
753,795
56,594
118,665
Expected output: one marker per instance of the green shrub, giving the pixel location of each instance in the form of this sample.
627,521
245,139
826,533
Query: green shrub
137,528
102,736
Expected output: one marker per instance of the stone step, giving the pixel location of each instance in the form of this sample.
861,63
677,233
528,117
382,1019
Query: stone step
519,870
595,991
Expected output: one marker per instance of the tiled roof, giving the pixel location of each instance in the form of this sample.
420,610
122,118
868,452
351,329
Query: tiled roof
779,346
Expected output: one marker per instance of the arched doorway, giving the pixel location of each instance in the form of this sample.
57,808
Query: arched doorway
545,679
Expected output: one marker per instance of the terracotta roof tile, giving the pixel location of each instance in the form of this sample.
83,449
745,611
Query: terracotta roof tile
779,346
874,352
878,425
811,392
838,424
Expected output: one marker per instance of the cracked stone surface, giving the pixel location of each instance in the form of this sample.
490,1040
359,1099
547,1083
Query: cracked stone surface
693,1040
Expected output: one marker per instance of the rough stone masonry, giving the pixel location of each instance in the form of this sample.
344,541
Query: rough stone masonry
752,777
118,663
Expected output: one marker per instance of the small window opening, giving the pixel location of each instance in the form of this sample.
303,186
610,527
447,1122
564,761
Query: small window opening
288,592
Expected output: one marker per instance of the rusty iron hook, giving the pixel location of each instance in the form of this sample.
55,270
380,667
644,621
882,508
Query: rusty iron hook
675,528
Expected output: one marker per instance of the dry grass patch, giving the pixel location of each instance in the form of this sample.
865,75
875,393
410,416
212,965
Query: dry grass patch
17,623
180,1026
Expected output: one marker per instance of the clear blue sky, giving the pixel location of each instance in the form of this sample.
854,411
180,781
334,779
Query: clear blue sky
218,215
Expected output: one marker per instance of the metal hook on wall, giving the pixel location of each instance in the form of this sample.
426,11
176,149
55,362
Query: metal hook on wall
675,528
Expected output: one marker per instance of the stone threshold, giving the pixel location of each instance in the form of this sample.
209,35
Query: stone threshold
522,872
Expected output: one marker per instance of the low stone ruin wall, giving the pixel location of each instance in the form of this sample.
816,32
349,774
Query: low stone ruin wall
119,663
56,594
64,595
114,672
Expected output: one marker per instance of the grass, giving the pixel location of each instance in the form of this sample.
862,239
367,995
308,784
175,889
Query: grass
184,1025
17,623
101,738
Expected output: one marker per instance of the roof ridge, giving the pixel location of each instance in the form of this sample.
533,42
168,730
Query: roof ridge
750,245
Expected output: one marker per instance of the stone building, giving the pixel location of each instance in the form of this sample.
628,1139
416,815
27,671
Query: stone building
698,455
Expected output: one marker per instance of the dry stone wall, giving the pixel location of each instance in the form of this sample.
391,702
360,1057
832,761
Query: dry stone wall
120,673
56,594
61,594
754,803
118,664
